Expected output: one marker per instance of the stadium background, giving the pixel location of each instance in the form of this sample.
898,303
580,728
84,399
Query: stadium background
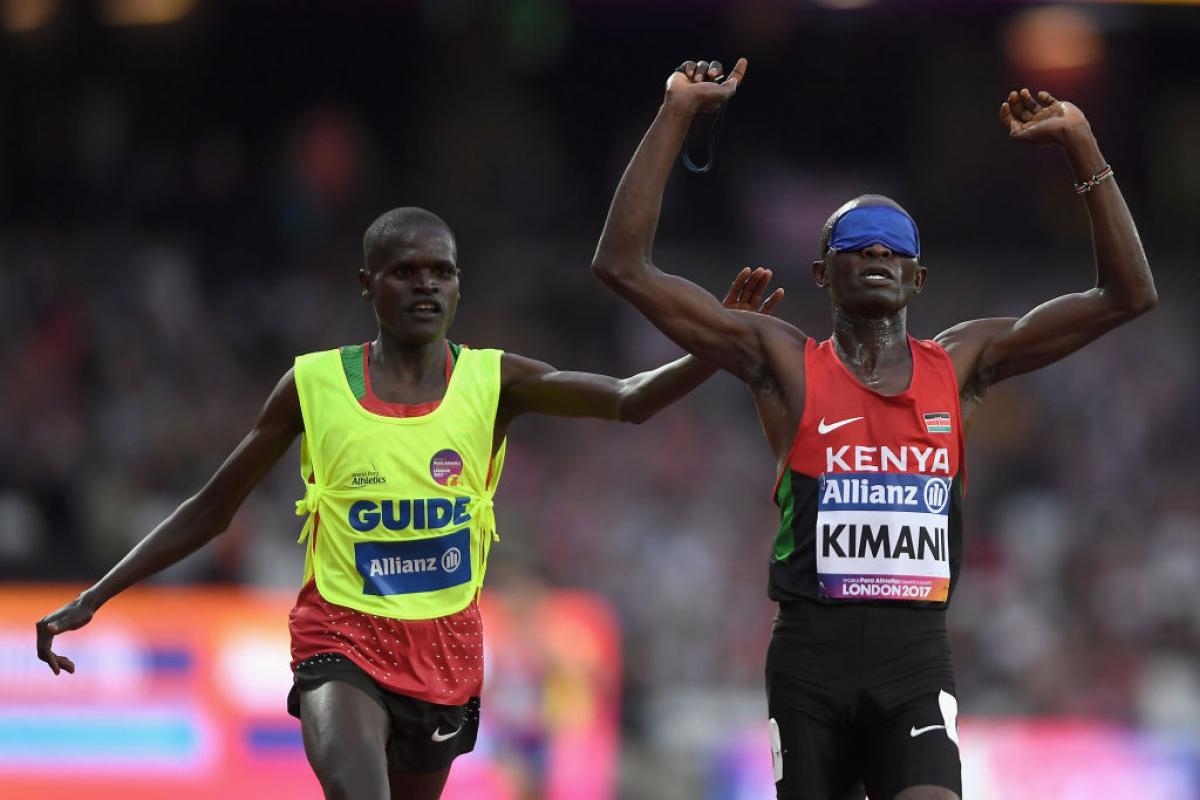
183,188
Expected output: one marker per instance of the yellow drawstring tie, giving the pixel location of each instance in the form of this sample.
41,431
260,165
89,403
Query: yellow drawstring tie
307,506
483,510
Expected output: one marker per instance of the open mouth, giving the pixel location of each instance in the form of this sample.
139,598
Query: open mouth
425,308
876,276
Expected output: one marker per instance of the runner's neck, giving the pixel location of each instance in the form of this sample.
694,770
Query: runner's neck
407,365
872,346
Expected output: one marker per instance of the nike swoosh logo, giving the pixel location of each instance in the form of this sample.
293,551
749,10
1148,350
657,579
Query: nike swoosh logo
833,426
915,732
438,736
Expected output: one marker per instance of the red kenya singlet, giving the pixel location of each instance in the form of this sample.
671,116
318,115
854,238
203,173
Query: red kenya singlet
870,499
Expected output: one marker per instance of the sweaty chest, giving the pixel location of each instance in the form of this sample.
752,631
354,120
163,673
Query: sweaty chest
891,381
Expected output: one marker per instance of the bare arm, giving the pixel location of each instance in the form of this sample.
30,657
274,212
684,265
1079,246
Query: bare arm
197,521
683,311
990,350
530,386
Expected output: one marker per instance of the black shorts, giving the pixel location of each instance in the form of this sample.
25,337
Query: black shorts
862,701
424,737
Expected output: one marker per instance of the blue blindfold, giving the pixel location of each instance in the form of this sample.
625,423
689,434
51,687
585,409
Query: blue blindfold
867,225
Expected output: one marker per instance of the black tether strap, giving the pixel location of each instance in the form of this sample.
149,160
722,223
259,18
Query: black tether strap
713,134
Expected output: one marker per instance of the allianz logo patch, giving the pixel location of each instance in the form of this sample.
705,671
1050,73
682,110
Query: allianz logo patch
414,565
883,491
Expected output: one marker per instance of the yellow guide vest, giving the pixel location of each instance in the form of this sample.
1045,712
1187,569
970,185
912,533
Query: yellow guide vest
404,503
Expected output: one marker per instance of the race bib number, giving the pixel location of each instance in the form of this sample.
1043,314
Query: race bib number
414,565
883,536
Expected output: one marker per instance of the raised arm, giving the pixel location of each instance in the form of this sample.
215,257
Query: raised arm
686,313
534,387
198,519
989,350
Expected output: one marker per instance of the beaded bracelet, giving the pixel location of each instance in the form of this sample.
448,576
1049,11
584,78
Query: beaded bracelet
1085,186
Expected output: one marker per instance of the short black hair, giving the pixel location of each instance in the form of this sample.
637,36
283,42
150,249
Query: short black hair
850,205
396,221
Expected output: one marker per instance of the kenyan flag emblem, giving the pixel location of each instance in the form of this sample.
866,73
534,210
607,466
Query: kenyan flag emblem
938,422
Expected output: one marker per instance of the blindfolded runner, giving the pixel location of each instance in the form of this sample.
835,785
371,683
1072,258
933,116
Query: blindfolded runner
867,428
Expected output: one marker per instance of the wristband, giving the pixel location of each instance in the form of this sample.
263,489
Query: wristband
1085,186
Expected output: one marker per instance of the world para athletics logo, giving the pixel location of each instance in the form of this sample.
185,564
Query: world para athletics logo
446,467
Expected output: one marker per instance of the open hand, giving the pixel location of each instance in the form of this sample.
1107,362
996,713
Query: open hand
1041,119
74,614
698,85
747,290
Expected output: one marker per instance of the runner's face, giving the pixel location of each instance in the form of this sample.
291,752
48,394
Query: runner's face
412,281
872,282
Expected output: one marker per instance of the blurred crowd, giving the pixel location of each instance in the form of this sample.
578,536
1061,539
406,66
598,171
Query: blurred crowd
176,227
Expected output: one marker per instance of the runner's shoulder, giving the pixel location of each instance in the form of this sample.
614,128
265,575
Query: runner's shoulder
516,366
782,367
965,342
775,330
974,333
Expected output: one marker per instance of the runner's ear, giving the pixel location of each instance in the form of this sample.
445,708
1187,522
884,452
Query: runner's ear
919,278
820,273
